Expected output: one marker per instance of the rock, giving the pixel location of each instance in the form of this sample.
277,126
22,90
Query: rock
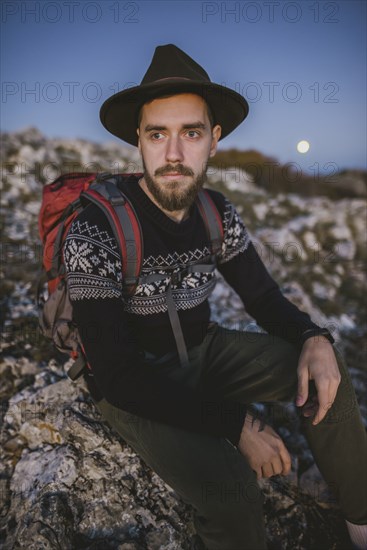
312,483
234,178
15,444
341,232
300,222
324,292
309,238
76,482
260,210
346,323
282,242
296,294
345,250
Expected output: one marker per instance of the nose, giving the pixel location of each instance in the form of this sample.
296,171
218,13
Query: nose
174,152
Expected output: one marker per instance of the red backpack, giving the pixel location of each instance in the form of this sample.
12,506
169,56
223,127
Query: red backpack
62,201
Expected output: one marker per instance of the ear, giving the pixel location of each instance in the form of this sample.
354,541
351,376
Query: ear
216,133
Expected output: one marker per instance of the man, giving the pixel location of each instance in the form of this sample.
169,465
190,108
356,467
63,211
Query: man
192,420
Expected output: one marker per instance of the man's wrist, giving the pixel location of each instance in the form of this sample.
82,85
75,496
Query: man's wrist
252,417
312,332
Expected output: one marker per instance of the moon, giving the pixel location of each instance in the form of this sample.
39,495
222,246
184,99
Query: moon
303,146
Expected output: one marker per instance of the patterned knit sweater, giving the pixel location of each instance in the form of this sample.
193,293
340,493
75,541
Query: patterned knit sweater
115,331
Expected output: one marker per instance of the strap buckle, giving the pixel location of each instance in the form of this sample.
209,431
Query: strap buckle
117,201
177,276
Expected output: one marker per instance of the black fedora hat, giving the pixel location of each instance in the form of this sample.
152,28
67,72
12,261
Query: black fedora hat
171,71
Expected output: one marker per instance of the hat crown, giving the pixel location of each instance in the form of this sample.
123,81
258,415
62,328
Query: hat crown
170,62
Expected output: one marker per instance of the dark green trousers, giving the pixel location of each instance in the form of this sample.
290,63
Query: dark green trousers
210,474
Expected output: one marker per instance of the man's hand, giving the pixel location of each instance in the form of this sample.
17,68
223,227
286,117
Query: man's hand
264,450
317,362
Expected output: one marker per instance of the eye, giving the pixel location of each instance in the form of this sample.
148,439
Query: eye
156,136
193,133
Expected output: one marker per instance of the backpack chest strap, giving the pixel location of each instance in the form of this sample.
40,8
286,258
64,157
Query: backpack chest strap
176,277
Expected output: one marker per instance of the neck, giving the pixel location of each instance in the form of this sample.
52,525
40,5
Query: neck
175,215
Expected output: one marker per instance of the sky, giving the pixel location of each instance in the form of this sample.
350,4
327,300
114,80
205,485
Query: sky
301,65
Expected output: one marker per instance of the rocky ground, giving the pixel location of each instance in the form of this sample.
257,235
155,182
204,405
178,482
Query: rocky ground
67,481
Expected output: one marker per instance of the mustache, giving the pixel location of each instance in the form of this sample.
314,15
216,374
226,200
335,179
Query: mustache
179,168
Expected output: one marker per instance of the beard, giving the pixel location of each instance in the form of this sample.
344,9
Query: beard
173,195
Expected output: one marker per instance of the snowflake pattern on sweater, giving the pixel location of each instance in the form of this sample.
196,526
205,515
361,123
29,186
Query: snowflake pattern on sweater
94,268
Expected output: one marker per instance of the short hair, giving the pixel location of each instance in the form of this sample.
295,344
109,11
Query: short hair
208,110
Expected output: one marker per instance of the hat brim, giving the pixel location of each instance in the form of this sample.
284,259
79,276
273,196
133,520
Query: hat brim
119,113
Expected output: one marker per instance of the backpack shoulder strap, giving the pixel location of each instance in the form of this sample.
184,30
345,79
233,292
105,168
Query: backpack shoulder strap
212,220
124,224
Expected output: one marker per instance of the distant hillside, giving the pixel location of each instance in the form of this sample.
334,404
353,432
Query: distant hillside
274,177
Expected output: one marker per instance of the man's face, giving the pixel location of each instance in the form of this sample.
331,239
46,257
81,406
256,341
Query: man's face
175,142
